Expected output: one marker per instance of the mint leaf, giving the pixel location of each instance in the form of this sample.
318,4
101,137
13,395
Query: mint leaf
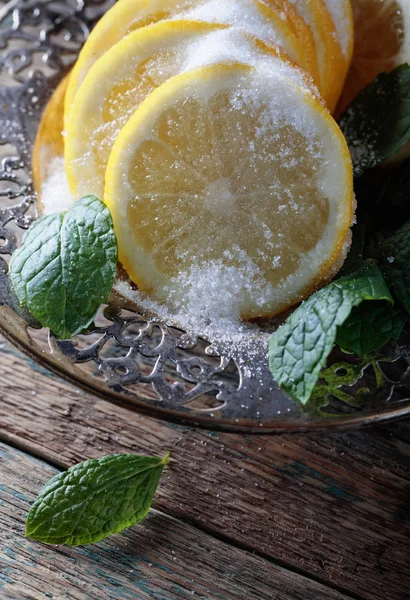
370,326
396,255
377,124
95,499
299,348
66,266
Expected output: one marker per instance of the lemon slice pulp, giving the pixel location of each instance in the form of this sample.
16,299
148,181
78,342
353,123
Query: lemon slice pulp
234,177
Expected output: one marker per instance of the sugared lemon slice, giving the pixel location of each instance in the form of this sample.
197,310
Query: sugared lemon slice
233,177
382,42
120,80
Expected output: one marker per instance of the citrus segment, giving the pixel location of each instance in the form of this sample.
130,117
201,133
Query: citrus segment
128,72
382,42
126,16
232,174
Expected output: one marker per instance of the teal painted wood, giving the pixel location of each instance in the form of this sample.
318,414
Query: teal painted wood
334,506
161,559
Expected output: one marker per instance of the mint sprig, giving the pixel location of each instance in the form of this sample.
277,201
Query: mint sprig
94,499
66,266
377,124
298,350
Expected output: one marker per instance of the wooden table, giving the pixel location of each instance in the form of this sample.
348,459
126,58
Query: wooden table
295,517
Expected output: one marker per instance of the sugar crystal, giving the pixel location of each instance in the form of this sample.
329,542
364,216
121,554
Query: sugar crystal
55,193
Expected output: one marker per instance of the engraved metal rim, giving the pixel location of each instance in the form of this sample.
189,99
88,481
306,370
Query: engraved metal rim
188,420
71,19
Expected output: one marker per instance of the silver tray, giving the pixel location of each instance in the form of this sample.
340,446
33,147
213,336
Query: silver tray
131,357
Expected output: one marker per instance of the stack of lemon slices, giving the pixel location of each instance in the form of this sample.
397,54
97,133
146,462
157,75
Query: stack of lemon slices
206,127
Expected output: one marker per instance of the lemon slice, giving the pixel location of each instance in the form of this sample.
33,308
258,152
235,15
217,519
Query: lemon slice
130,70
230,180
342,17
126,16
382,42
338,35
301,30
333,66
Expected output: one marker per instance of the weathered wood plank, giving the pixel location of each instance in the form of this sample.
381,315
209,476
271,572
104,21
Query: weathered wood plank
334,506
162,558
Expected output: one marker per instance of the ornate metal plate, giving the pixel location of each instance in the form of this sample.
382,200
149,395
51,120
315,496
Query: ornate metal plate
129,357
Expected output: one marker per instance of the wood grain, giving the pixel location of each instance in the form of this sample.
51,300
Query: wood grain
334,507
162,558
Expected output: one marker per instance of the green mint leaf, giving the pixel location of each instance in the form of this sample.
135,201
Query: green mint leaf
370,326
396,255
66,266
377,124
95,499
298,350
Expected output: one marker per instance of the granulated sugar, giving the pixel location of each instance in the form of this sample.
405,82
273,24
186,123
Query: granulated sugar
55,193
231,44
241,14
207,313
